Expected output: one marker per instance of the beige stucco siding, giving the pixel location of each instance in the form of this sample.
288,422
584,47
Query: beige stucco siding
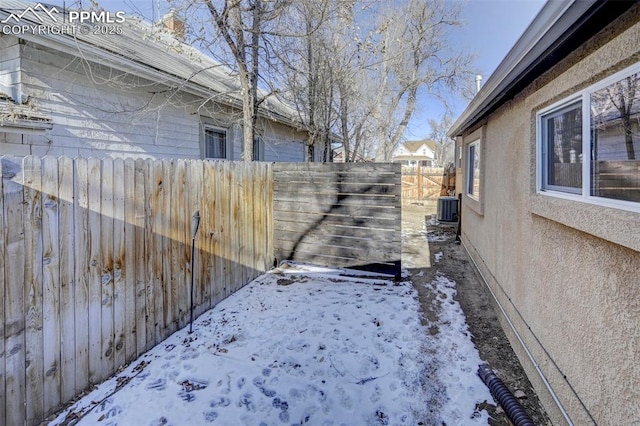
567,273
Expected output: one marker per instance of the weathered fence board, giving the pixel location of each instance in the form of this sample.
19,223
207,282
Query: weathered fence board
2,286
335,214
105,366
33,287
118,265
141,258
96,264
67,280
51,282
129,265
81,271
94,279
14,291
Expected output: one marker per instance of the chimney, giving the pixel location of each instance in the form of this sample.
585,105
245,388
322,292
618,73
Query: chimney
478,80
172,23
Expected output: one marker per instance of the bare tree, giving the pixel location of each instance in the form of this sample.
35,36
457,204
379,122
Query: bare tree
415,57
245,28
444,144
353,68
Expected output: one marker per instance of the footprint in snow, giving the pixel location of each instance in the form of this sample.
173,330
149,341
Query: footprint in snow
103,405
189,386
110,413
280,404
162,421
158,384
220,402
284,416
246,401
259,383
186,396
189,354
210,416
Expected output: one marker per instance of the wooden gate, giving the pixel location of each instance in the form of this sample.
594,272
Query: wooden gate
345,215
421,183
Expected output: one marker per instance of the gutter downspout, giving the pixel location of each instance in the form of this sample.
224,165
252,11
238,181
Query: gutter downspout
524,346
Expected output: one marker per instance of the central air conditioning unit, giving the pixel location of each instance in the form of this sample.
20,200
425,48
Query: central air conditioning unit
447,209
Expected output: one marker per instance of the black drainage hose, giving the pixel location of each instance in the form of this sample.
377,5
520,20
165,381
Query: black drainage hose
510,403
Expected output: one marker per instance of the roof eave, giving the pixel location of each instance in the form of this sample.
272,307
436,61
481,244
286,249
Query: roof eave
555,23
95,53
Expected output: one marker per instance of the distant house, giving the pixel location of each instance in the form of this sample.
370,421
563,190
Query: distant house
136,91
412,153
549,177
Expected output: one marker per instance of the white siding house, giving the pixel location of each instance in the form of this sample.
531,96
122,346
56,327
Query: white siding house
141,94
412,153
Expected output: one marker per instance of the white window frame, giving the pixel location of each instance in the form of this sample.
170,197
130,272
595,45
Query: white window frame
470,171
560,109
585,194
226,142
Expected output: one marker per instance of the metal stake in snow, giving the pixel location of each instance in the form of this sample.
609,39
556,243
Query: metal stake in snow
195,224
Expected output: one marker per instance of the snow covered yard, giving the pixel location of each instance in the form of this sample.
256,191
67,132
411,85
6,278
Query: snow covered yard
304,345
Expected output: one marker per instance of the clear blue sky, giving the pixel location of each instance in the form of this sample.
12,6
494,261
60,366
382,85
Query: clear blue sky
491,28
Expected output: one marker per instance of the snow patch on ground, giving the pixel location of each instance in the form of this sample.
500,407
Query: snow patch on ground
437,257
303,345
456,361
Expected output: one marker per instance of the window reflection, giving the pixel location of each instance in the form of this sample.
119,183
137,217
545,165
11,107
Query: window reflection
615,138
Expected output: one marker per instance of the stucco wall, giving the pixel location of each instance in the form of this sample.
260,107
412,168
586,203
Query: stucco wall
99,111
566,273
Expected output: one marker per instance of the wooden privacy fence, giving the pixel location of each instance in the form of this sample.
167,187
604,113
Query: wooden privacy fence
421,183
96,261
345,214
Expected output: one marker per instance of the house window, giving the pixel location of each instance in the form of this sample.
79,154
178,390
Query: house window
215,143
258,149
310,151
473,169
590,146
561,149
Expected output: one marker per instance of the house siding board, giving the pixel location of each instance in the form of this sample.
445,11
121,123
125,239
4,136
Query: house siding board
9,66
566,272
76,103
283,151
100,111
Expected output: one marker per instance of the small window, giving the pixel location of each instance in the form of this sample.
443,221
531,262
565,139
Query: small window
258,149
310,154
562,149
215,143
473,169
